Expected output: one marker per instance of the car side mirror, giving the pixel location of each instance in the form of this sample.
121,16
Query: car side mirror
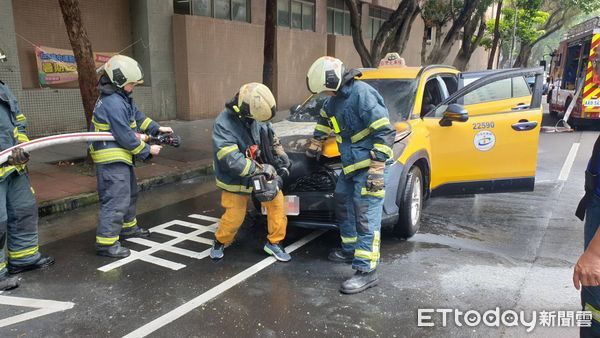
295,109
454,113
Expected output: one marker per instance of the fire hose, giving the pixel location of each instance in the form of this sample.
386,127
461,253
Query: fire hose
44,142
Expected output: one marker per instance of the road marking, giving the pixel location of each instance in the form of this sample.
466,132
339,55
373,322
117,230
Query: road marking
169,246
43,307
566,168
207,296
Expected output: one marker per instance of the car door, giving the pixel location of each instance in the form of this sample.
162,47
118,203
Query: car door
495,149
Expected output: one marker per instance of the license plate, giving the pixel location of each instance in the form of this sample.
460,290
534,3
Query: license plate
592,103
291,206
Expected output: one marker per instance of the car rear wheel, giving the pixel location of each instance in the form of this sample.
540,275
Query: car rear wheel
411,205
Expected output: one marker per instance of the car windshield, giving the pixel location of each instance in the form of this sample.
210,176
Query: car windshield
398,95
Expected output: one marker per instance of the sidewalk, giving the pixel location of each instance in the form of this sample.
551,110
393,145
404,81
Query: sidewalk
62,182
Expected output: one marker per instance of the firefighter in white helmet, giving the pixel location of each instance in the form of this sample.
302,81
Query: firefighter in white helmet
356,113
116,112
249,160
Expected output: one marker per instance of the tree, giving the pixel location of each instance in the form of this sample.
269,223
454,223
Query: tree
270,47
438,55
559,13
84,57
496,36
473,33
436,14
391,37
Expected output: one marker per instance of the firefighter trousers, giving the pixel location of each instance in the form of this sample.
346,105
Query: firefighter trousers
358,213
18,222
117,189
235,206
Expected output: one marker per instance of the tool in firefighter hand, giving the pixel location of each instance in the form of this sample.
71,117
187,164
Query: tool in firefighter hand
168,139
266,182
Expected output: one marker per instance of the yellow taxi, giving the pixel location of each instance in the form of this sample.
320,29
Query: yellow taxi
457,133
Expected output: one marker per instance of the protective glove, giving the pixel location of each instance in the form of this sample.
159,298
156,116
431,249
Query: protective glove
267,170
314,149
19,156
375,180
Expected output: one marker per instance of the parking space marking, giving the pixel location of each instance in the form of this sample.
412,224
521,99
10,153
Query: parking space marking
566,168
207,296
169,246
42,307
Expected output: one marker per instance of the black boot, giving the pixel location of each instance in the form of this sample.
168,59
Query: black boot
137,232
341,256
360,282
8,283
113,251
41,263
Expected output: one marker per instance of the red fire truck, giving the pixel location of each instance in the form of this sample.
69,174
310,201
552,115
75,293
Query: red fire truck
575,74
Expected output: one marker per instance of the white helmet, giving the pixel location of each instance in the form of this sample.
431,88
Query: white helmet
325,74
122,70
256,101
2,56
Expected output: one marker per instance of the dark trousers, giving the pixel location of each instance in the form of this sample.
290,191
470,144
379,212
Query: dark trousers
590,295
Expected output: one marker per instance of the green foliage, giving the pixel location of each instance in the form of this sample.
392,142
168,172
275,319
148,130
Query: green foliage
529,27
440,12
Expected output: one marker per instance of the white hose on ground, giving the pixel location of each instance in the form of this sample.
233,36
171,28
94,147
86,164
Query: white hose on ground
49,141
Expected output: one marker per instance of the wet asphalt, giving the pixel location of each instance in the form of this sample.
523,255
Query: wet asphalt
511,251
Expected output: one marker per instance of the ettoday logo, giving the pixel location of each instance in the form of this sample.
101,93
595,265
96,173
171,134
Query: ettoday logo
506,318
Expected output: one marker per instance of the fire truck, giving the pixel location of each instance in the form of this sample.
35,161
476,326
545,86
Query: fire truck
575,74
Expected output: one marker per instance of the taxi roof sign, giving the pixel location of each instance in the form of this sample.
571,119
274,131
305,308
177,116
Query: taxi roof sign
392,60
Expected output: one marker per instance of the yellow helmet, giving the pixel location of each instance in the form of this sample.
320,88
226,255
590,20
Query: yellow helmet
256,101
122,70
325,74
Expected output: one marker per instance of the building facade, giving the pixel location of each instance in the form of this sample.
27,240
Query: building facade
195,53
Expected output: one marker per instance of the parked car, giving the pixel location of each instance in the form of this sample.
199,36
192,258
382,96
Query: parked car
457,133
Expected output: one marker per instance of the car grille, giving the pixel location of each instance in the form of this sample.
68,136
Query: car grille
319,181
315,216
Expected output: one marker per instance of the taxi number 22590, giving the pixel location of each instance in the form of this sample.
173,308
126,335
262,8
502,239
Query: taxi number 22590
483,125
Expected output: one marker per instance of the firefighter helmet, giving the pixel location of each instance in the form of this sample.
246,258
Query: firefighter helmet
122,70
256,101
325,74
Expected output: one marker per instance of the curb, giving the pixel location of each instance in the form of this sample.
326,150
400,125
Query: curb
73,202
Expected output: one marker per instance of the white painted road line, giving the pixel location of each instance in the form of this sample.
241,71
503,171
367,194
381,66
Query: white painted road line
566,168
182,310
42,307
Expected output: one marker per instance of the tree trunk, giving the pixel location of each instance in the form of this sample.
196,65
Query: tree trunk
400,37
357,35
522,59
270,47
470,41
439,55
496,39
84,57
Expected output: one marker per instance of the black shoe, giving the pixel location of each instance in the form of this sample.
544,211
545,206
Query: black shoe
43,262
113,251
360,282
216,252
341,256
138,232
8,283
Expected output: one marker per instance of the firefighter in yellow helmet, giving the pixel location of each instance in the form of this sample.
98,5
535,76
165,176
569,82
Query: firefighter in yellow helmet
249,160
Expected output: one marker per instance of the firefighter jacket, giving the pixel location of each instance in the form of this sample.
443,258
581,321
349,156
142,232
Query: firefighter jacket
116,113
232,137
12,127
360,120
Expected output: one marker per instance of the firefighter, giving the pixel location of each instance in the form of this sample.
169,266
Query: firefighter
116,112
246,148
356,113
18,209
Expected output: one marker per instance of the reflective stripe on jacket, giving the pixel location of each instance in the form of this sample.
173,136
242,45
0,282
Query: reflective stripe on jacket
361,123
116,112
12,127
232,136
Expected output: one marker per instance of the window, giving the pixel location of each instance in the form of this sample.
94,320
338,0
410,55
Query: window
236,10
377,16
499,90
338,18
296,14
398,96
429,34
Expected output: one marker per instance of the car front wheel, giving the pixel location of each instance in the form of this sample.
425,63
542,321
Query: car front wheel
411,205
